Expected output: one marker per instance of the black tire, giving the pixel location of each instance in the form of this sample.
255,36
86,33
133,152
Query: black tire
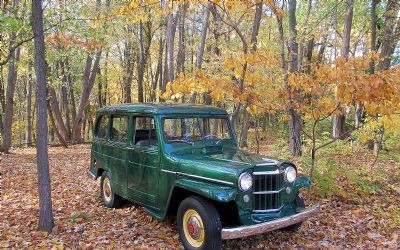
211,224
300,203
111,199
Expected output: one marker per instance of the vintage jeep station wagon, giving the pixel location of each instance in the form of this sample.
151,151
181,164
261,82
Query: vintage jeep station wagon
183,160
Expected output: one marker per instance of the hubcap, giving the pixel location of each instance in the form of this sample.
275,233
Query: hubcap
107,189
193,228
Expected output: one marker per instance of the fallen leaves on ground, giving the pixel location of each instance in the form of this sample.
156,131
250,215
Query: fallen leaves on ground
81,221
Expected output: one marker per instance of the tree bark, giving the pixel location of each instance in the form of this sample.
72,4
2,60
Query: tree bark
46,220
9,105
339,120
144,46
180,58
70,91
128,65
171,28
391,34
54,105
89,78
246,115
158,75
202,43
141,63
294,118
28,117
53,128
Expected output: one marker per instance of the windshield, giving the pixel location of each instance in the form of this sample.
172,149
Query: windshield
190,129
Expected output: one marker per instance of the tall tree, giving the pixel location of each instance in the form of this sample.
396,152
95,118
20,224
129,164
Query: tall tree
46,220
11,82
339,120
169,63
294,118
89,78
28,117
254,34
202,42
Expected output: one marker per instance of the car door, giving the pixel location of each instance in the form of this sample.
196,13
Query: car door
118,153
143,162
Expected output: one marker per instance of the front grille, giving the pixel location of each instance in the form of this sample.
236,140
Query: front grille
267,189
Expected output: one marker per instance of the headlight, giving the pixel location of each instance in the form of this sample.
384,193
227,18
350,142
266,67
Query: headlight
245,181
290,174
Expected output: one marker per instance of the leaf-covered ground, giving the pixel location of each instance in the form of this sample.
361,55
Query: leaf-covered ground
346,221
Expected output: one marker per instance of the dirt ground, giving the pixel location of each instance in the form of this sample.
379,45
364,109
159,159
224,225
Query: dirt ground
342,223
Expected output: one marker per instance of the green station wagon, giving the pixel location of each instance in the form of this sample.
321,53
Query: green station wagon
183,160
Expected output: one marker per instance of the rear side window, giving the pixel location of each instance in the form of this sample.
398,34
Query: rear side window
145,132
119,129
102,126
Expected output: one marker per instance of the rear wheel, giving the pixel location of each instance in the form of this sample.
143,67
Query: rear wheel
299,203
110,199
199,224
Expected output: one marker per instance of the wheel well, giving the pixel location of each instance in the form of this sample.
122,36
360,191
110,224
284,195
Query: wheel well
227,210
99,172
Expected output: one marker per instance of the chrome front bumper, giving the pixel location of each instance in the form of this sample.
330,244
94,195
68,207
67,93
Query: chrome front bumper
244,231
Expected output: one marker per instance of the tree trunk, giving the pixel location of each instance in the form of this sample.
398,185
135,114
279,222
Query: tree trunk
373,34
53,128
390,39
339,120
391,34
2,100
246,115
144,46
57,113
70,91
105,87
128,74
171,28
46,220
202,43
28,118
9,106
158,75
89,78
180,58
87,87
294,118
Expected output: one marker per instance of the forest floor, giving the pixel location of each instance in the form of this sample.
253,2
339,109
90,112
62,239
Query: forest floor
350,218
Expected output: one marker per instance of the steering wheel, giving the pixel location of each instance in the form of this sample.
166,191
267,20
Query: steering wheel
210,137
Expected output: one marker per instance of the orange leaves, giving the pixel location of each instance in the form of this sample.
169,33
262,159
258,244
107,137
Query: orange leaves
66,40
346,81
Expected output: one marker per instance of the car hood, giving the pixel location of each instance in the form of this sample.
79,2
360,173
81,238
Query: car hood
225,165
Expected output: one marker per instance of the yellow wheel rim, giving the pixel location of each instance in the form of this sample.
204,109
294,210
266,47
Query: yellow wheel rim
193,228
107,189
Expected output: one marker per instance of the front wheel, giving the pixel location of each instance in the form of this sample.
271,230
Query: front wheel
199,224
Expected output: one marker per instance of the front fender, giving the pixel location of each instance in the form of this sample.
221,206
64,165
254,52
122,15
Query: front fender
208,190
301,182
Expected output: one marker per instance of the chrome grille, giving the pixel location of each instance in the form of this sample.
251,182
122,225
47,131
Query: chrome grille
267,189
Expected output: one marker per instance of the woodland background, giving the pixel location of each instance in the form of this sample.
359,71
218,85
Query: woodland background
316,82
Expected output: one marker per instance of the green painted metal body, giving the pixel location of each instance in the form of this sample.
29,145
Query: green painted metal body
150,175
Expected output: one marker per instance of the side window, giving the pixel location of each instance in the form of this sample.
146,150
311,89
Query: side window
119,129
102,126
145,132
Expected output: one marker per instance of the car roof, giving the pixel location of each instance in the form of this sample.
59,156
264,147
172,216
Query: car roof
163,109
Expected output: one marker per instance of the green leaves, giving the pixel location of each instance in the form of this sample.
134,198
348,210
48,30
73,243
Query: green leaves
79,215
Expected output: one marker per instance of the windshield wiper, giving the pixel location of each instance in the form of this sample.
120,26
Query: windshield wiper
188,142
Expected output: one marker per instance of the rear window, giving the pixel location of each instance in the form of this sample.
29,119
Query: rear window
102,126
119,129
